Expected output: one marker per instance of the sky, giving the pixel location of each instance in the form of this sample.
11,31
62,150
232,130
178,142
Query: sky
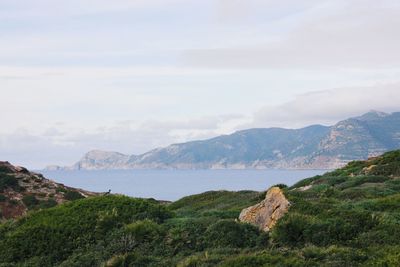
133,75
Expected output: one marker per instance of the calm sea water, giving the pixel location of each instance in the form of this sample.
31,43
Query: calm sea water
174,184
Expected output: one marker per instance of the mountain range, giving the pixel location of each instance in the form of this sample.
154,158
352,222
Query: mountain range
312,147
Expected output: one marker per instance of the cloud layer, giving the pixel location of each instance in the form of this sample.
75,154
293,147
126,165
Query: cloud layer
134,75
62,144
330,34
329,106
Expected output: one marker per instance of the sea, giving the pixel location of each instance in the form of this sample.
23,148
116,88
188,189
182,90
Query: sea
172,185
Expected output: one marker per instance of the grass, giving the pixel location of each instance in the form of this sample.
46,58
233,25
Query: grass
216,203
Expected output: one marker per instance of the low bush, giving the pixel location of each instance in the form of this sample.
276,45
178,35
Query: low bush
3,198
73,195
228,233
57,232
45,204
30,201
8,181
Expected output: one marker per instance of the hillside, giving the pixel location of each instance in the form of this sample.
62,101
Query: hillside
348,217
313,147
22,190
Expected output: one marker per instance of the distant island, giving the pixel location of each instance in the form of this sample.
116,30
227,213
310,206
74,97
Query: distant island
312,147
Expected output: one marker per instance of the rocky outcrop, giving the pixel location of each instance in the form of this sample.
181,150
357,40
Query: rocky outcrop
97,159
266,213
22,190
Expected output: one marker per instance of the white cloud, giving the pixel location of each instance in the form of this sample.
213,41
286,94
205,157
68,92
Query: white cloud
56,8
64,144
329,106
133,75
339,34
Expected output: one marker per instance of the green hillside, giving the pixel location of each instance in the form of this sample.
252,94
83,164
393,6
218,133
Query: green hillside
348,217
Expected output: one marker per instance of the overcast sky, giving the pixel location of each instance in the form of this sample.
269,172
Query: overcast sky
132,75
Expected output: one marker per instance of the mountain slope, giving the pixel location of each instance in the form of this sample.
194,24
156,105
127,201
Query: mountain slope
249,148
22,190
311,147
109,160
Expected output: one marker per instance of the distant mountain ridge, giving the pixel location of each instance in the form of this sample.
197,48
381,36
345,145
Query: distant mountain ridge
312,147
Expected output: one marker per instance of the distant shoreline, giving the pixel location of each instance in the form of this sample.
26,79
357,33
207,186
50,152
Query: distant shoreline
176,169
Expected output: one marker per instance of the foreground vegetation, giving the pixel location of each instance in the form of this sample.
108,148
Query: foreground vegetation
349,217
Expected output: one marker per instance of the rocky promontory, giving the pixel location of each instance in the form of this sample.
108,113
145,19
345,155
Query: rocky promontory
22,190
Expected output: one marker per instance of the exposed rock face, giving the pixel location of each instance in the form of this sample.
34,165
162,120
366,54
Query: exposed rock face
97,159
22,190
266,213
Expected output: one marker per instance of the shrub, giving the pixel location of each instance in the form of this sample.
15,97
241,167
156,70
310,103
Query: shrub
234,202
290,230
352,168
187,234
266,259
281,186
83,259
359,180
48,203
73,195
228,233
4,169
386,256
61,190
306,182
30,201
335,255
133,259
8,181
144,231
13,202
57,232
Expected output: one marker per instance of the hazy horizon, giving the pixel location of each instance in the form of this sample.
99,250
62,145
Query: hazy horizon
200,139
130,76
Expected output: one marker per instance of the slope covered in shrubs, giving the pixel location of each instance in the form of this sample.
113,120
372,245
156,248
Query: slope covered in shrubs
349,217
22,191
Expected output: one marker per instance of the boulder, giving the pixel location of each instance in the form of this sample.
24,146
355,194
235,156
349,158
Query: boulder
265,214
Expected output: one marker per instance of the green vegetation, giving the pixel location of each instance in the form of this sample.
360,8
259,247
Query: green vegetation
73,195
385,165
3,198
8,181
221,204
52,235
349,217
30,201
4,169
45,204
